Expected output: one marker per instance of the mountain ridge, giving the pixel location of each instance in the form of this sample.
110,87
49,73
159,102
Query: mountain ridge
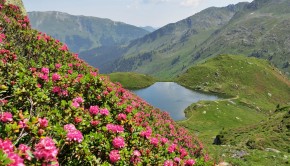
84,32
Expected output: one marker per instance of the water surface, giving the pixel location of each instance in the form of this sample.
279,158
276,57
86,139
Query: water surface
172,97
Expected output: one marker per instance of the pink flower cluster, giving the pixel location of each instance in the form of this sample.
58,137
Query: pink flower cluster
6,117
119,142
63,48
77,101
73,134
115,128
25,150
55,77
44,74
147,133
94,110
104,112
2,36
7,147
114,156
122,117
46,150
43,122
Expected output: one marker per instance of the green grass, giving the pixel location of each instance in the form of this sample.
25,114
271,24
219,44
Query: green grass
131,80
253,89
256,82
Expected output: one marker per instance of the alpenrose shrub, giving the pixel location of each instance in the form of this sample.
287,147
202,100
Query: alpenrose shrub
57,110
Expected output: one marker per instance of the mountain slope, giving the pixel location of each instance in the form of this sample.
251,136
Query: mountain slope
57,110
166,51
83,32
259,31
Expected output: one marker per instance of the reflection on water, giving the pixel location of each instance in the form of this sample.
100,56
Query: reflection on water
171,97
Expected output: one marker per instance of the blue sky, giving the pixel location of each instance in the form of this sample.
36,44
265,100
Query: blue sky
156,13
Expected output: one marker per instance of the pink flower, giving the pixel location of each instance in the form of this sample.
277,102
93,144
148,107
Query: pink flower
94,110
78,100
6,117
122,117
129,109
57,66
22,123
94,74
168,163
94,122
45,70
43,76
164,140
25,150
16,160
75,135
154,141
69,127
63,48
177,159
146,133
6,146
78,119
43,122
56,89
104,112
118,142
115,128
75,104
172,148
64,93
46,150
183,152
32,69
189,162
136,153
70,71
55,77
114,156
2,36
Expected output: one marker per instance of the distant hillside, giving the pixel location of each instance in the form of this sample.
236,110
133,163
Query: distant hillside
257,29
83,33
166,51
149,28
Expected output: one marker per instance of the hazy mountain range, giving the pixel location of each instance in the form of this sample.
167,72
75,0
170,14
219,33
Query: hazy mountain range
256,29
82,33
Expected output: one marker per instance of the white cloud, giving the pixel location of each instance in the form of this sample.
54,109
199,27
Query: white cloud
190,3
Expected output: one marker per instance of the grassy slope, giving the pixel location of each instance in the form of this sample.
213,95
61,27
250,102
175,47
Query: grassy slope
255,81
132,80
247,82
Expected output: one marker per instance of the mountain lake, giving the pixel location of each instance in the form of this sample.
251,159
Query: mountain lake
172,97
